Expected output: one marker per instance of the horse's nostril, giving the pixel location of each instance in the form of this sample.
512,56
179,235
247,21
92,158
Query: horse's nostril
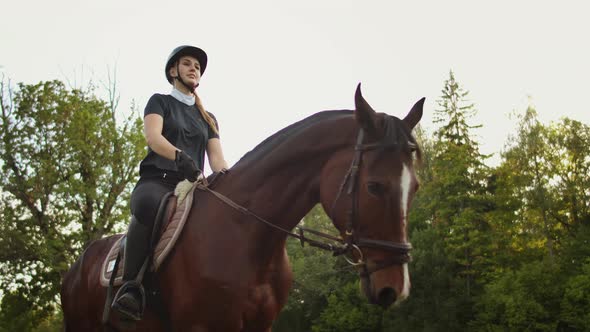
386,297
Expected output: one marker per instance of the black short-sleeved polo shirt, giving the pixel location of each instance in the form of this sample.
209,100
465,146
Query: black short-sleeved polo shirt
184,127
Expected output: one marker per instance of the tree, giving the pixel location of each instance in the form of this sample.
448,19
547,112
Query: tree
347,311
448,222
530,154
569,167
541,207
575,305
460,199
524,300
438,300
16,313
68,167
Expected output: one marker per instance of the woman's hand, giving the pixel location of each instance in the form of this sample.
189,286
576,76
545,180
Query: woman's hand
186,166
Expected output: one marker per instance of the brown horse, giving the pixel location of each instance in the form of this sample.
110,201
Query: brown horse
230,272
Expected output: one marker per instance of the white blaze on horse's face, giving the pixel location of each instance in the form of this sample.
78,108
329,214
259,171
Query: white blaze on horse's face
405,183
406,290
405,186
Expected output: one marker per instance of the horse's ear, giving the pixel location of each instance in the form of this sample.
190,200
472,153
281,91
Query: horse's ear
365,115
415,114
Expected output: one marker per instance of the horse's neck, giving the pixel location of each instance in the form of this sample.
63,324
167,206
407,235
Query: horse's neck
284,191
284,186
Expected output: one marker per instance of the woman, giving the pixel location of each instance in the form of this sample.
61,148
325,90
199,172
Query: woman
178,132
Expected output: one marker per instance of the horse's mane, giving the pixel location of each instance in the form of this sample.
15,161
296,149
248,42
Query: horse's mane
282,135
394,132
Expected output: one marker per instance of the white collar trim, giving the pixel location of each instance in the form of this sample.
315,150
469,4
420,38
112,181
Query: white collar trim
181,97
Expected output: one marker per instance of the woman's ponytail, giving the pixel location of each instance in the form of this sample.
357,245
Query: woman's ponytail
205,115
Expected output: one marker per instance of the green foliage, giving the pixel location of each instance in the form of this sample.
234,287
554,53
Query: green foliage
438,300
68,167
454,114
529,153
540,212
575,305
524,300
348,311
576,249
569,170
457,193
16,313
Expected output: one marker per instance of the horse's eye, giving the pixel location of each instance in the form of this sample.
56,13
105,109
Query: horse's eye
376,188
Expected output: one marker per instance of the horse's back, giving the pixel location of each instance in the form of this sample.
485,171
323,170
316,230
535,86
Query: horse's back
82,296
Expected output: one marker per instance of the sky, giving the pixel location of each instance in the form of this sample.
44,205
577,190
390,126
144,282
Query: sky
272,63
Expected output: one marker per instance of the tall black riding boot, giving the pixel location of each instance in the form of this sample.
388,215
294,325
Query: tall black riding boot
129,301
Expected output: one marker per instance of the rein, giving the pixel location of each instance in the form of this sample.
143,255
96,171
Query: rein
353,241
335,248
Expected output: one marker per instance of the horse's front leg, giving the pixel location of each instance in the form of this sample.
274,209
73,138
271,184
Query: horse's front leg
269,298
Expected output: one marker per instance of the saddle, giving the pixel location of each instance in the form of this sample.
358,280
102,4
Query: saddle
174,210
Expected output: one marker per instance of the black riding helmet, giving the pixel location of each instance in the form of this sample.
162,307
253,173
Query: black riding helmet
183,50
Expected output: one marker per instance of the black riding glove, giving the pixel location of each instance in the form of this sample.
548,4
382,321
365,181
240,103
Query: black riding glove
186,166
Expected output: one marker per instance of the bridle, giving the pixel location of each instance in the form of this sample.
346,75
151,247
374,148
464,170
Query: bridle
353,242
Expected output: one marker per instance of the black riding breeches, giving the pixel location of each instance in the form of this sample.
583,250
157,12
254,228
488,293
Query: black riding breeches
146,197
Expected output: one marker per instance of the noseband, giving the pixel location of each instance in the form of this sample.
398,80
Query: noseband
353,241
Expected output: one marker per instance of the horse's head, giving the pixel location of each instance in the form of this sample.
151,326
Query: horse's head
367,193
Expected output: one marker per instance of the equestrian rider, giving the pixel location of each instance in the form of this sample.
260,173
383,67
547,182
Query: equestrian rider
178,132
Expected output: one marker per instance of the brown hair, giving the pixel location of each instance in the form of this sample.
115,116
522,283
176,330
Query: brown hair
205,115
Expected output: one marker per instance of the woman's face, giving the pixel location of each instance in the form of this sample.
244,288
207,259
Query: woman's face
190,70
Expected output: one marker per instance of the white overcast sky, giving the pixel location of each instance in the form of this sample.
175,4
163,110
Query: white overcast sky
274,62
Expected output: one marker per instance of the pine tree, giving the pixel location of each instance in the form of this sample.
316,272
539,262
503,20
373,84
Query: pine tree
449,229
459,182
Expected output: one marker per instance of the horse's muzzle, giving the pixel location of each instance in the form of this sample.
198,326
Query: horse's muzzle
386,297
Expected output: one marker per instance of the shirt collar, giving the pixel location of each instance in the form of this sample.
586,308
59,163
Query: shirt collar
181,97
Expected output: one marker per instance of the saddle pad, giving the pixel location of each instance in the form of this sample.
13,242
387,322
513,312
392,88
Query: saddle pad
174,221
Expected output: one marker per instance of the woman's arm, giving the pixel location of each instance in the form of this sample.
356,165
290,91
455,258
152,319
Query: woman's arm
152,130
215,154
